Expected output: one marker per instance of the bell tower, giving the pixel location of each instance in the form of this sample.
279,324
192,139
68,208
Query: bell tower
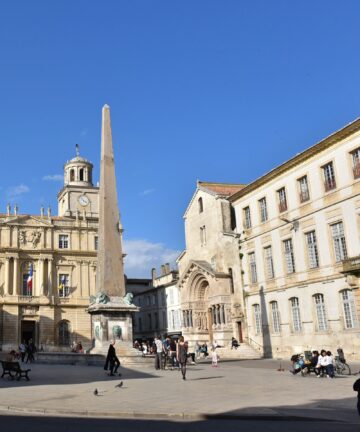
78,196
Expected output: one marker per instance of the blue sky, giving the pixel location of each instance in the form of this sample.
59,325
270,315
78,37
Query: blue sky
199,89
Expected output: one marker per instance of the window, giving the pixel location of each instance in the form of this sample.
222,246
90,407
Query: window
247,218
320,312
156,320
163,298
148,301
257,318
355,155
203,235
154,299
282,200
63,241
201,205
164,319
329,177
339,241
150,321
72,175
263,210
304,189
269,265
81,174
289,256
295,313
96,242
64,333
348,301
252,264
27,284
275,314
312,249
140,324
64,288
232,290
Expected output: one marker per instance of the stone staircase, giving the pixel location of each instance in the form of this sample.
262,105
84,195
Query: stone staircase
243,352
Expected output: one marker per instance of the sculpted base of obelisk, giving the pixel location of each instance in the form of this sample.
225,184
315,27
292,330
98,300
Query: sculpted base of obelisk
111,309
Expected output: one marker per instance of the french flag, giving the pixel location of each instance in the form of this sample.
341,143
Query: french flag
30,280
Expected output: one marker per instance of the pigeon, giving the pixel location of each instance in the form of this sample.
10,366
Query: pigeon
96,392
120,384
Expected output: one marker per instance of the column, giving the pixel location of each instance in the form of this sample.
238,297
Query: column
16,276
222,314
40,278
80,287
213,311
49,277
218,314
191,318
7,268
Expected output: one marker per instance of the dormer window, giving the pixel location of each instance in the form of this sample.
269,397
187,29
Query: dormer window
201,205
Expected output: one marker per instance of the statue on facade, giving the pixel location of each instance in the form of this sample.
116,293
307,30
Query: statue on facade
22,237
35,238
198,320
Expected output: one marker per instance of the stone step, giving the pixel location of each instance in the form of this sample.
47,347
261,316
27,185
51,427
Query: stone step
244,351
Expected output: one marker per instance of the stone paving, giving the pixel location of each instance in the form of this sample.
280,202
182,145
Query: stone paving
235,389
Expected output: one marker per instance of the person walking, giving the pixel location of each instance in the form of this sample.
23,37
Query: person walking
112,362
22,349
214,358
31,350
181,355
158,353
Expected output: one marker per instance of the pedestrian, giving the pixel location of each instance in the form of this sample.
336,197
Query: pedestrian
31,350
356,388
22,349
330,365
214,358
234,343
158,353
181,355
197,350
112,362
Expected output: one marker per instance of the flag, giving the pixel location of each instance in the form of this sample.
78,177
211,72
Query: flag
62,282
29,281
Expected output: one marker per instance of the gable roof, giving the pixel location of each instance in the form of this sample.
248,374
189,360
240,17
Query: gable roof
322,145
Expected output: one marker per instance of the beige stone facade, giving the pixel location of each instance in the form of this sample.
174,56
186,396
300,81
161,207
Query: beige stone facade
62,253
211,299
276,263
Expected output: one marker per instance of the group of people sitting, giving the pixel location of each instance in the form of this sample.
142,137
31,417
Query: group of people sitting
321,364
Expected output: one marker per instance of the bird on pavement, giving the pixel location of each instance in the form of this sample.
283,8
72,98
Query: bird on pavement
96,393
120,384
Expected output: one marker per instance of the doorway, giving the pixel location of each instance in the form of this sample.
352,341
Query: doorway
240,333
28,331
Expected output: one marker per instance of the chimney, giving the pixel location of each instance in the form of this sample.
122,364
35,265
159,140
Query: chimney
167,268
16,209
49,212
153,274
42,211
8,210
163,270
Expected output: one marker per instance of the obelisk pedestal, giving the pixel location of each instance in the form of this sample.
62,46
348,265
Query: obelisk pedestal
111,309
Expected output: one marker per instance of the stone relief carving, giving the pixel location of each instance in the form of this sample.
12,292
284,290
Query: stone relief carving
201,321
34,237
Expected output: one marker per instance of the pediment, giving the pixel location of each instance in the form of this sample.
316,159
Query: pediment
28,221
200,267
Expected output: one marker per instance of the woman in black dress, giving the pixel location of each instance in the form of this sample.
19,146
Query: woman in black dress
181,355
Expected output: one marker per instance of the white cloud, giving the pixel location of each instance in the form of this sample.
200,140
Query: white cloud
54,177
14,192
147,192
143,255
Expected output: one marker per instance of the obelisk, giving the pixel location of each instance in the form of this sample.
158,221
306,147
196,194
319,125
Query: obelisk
110,269
111,309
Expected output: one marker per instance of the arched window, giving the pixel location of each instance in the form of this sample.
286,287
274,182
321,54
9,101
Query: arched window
64,333
348,302
81,174
275,314
257,318
201,205
320,312
295,313
72,175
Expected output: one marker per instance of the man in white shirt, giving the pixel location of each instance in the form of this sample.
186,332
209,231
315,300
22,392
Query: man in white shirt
158,353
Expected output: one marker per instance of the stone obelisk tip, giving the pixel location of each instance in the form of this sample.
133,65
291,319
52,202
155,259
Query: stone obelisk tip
106,106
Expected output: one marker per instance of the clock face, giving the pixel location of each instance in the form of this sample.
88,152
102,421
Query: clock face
83,200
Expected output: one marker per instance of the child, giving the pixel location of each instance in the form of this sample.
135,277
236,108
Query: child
214,358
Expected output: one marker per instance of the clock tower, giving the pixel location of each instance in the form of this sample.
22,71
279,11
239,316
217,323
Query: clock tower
78,196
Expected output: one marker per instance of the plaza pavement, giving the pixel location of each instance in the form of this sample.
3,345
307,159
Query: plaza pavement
234,390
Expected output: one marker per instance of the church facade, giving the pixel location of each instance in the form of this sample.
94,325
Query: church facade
48,267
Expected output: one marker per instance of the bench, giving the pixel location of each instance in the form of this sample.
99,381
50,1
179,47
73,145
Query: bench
10,367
